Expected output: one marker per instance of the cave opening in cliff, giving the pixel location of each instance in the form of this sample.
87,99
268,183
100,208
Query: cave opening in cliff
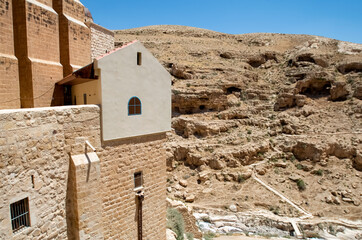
317,91
305,58
231,90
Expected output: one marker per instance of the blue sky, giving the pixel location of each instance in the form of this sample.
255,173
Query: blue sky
339,19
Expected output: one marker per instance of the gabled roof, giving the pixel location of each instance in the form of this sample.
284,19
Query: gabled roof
86,73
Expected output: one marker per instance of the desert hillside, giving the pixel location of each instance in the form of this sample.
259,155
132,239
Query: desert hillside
282,109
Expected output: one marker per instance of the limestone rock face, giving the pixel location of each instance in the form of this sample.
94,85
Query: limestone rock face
288,100
187,214
305,150
170,235
271,105
358,161
179,71
339,91
349,66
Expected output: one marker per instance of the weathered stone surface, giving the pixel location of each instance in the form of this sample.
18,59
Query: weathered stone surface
305,150
183,182
190,198
49,180
357,161
339,91
180,71
187,214
170,235
288,100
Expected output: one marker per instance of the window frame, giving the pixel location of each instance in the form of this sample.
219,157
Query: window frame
139,58
134,106
136,176
20,215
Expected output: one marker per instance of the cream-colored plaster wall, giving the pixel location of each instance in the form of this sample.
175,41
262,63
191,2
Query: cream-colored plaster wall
90,88
121,79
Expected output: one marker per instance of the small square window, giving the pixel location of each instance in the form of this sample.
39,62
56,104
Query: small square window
139,58
138,181
84,98
20,214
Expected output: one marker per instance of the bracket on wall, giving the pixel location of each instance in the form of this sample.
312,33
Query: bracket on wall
87,144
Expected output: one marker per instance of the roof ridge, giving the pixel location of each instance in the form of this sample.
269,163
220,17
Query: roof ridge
116,49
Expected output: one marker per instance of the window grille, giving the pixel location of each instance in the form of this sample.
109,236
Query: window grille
134,106
20,214
138,181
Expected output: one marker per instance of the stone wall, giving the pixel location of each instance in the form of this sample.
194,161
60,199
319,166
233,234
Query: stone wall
119,162
42,41
34,150
102,40
73,195
9,79
74,35
36,35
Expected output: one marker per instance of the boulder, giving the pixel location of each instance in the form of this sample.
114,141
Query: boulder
357,161
358,92
216,164
280,164
195,159
233,208
183,182
339,91
288,100
260,170
190,198
179,71
295,177
307,150
204,176
187,214
170,235
347,67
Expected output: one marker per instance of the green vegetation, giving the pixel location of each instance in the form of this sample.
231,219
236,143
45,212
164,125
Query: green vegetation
301,185
209,236
189,236
209,149
274,209
249,131
331,230
240,178
318,172
175,222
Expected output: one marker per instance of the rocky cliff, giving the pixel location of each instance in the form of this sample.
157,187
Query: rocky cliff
286,109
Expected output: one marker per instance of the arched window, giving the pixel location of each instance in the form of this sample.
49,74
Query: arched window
134,106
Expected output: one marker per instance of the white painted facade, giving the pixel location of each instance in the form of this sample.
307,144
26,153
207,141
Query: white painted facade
119,79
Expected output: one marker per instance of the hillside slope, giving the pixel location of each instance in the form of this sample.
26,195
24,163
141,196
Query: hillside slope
287,108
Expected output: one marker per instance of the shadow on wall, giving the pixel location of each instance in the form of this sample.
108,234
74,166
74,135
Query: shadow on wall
71,204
